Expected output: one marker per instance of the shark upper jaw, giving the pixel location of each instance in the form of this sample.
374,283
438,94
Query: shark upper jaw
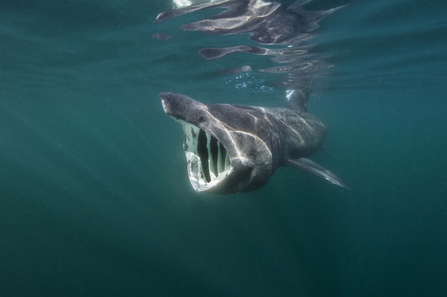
208,162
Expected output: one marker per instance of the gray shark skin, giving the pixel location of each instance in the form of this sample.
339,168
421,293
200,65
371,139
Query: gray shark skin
237,148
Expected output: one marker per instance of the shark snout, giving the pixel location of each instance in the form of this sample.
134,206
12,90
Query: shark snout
166,95
180,106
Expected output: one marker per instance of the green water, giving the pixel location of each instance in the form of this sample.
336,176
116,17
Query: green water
94,194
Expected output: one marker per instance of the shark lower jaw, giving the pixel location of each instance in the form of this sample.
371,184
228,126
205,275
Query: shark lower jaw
208,161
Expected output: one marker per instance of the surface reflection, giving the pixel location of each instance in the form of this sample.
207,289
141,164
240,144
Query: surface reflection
267,23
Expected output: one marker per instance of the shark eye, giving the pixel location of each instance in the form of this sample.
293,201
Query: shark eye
201,119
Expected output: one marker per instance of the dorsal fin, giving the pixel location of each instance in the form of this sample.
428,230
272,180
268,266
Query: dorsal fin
298,99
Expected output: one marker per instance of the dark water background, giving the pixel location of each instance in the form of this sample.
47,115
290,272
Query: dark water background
94,195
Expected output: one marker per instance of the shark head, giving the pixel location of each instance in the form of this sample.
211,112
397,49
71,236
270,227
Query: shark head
223,153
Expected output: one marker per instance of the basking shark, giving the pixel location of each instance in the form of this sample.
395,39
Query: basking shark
237,148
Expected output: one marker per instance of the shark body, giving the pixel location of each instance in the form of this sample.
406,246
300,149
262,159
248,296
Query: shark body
237,148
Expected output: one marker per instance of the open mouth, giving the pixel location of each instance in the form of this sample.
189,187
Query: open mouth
208,160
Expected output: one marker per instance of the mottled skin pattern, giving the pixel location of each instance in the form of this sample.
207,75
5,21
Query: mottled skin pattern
257,139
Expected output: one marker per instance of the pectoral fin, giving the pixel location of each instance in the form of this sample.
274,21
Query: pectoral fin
312,167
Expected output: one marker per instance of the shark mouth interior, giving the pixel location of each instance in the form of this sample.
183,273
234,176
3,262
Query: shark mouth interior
207,158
